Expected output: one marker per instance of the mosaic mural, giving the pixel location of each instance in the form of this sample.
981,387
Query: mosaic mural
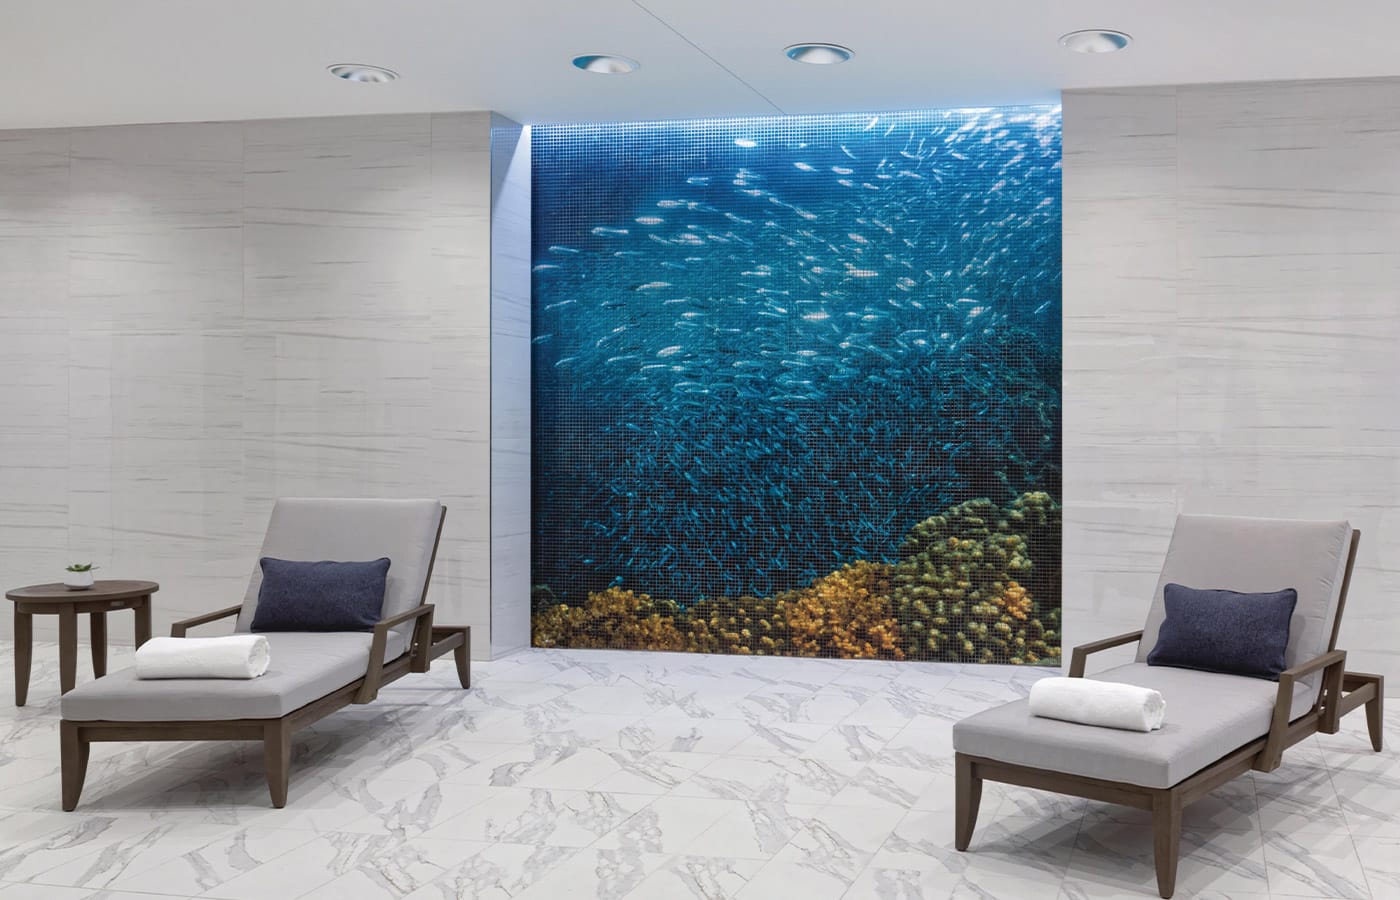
797,385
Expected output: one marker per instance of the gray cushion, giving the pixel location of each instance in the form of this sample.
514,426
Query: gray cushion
1208,716
1256,555
313,528
304,667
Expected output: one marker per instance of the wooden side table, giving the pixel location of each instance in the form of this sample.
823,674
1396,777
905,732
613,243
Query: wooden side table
56,600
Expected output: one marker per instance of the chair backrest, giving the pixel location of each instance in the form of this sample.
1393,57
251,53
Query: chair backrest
311,529
1253,555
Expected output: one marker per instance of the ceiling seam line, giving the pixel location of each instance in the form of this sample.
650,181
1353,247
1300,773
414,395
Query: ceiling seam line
669,27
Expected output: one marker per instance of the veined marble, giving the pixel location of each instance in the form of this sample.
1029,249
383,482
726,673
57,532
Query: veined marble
1230,324
198,318
531,785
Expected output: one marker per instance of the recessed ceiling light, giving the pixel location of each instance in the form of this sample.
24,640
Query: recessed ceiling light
819,54
362,73
1095,40
606,64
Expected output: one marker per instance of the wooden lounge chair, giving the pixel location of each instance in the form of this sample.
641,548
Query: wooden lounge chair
1217,726
312,674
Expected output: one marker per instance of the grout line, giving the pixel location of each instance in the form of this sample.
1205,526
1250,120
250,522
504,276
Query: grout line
730,72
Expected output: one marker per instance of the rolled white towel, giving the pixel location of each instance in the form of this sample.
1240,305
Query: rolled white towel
1104,703
235,656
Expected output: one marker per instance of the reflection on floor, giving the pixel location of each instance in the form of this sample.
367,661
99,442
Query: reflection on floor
581,774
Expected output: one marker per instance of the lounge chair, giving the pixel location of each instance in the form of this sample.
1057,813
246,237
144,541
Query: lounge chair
1218,726
312,674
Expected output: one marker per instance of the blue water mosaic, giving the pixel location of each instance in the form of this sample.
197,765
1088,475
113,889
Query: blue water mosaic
767,347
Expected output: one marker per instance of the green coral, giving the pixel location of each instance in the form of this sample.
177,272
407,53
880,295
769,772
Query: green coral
755,626
965,586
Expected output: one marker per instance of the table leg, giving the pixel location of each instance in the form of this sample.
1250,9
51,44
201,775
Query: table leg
67,648
143,621
24,654
99,644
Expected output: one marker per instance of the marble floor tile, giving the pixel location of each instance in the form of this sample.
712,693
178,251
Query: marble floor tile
326,857
678,734
1370,802
1110,856
495,872
1315,865
210,865
696,878
667,825
917,884
753,829
606,774
595,875
885,786
1380,860
539,816
1304,802
794,881
840,840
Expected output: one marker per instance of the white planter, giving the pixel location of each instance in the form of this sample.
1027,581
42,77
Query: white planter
77,581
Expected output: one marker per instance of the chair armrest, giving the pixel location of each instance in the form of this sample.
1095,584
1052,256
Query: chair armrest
1333,661
178,629
374,668
1081,653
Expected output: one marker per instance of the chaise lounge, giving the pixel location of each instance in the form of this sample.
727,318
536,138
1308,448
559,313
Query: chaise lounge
312,674
1217,726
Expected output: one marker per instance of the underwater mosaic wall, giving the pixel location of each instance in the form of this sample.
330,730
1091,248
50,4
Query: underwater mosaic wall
797,385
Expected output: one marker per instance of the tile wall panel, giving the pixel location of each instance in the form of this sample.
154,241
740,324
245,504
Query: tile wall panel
200,318
1230,322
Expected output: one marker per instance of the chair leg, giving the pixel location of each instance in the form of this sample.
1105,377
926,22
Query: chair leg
1375,716
1166,839
969,799
463,657
73,751
277,759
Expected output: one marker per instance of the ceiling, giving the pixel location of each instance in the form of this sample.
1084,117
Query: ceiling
85,62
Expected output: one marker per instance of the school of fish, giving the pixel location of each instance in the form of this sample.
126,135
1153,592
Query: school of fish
764,348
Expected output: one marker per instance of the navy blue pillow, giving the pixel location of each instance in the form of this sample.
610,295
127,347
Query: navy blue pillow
320,596
1224,631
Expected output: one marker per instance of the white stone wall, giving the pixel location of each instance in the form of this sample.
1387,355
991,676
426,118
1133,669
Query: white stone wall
1232,318
196,319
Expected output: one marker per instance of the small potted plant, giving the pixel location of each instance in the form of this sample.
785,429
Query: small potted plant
78,577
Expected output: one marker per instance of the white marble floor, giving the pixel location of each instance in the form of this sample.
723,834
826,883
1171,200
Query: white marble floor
650,776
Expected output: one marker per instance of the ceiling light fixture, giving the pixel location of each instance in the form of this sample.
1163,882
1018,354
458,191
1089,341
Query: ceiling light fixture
606,64
1095,40
818,54
362,73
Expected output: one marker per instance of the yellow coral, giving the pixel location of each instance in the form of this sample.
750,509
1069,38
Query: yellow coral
846,614
1015,601
612,618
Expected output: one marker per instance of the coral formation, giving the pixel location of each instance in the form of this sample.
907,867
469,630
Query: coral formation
845,614
748,625
958,586
610,618
977,583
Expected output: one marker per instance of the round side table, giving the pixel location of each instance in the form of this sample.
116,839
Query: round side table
56,600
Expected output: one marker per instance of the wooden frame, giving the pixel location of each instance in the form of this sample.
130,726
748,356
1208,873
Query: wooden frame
428,643
1341,692
56,600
